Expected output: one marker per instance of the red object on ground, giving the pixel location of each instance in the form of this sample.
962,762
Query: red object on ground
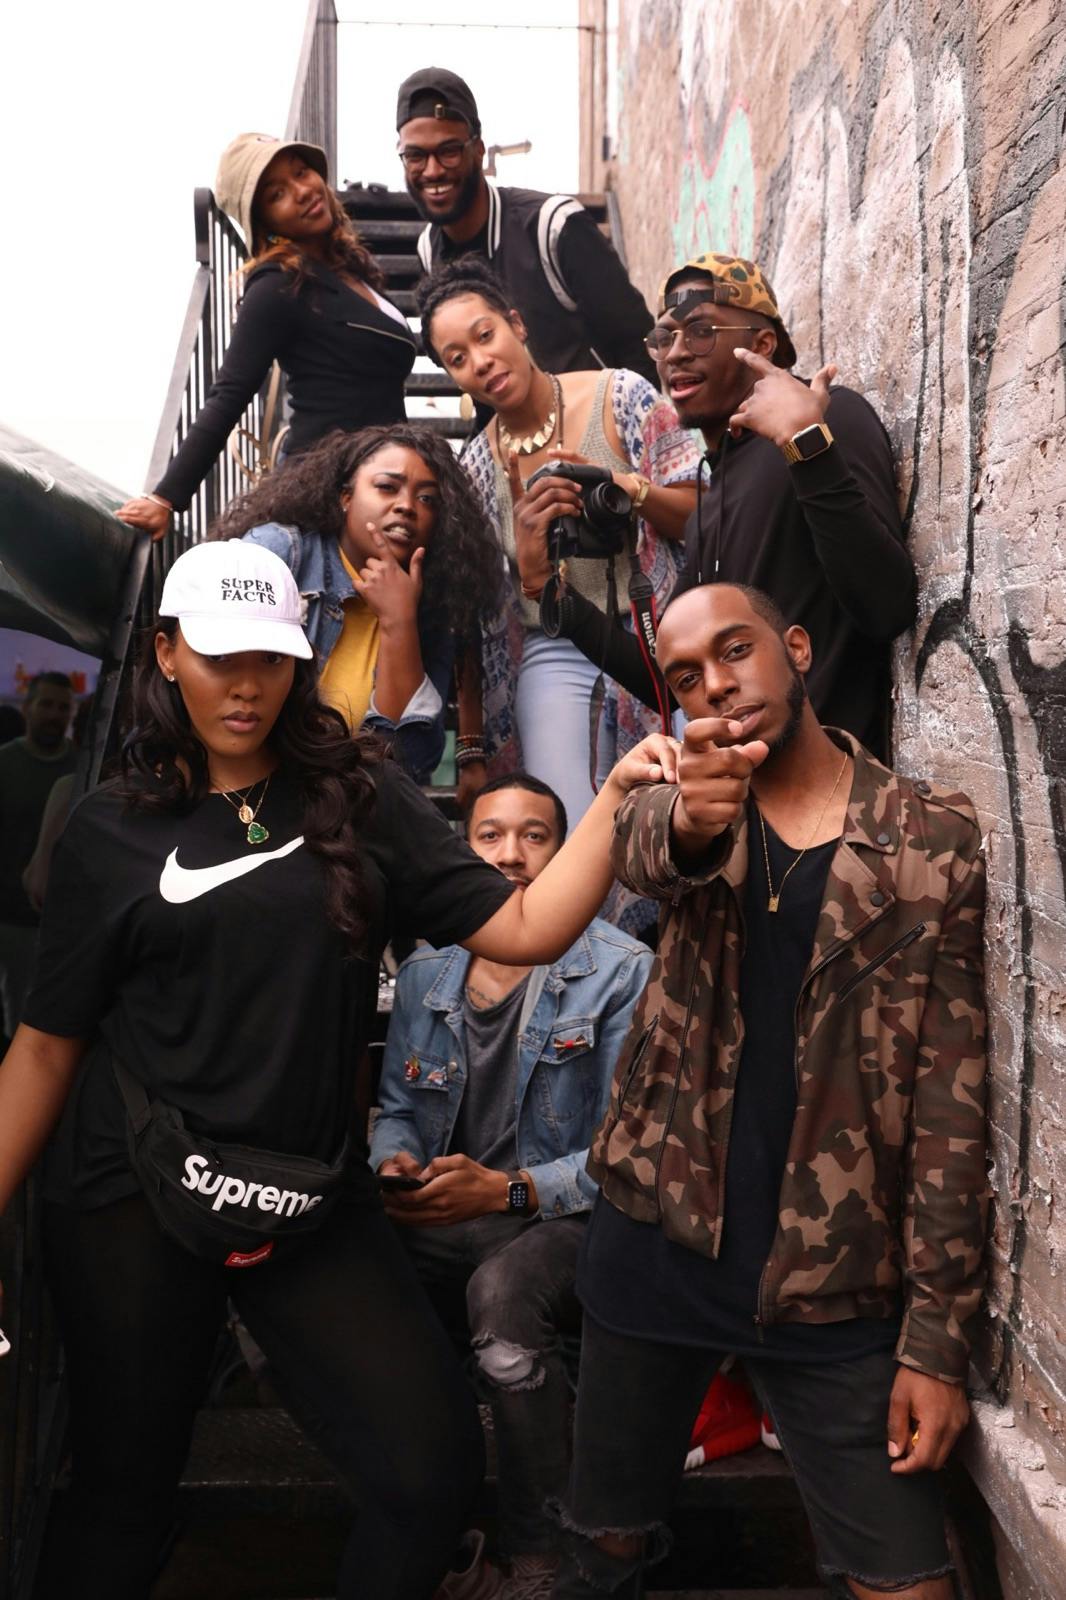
729,1421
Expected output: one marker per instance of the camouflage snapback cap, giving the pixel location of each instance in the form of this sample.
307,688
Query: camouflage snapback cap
735,282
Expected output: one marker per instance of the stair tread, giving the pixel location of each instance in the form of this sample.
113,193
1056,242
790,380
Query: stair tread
437,383
242,1447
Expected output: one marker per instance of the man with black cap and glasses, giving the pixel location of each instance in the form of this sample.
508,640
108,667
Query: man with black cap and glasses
799,501
576,300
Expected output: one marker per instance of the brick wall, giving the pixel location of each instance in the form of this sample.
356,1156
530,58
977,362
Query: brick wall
899,170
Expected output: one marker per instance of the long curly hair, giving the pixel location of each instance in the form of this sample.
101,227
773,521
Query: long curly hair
333,770
469,274
345,251
463,567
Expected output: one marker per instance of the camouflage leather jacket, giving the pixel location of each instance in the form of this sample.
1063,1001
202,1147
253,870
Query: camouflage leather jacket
885,1192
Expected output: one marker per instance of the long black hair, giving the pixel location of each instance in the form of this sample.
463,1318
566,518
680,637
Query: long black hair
469,274
331,766
463,569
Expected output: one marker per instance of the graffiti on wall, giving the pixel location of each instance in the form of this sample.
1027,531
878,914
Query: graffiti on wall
903,181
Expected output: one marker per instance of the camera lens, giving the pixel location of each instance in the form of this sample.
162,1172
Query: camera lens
606,504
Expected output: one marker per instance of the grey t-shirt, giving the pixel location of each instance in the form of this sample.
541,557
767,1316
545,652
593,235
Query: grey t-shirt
485,1128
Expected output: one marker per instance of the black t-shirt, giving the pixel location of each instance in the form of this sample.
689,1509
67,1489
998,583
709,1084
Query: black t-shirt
208,966
684,1297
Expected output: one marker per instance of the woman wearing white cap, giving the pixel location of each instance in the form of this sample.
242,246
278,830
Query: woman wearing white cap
193,1028
312,302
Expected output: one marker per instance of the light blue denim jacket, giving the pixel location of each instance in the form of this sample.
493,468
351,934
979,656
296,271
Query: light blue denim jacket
566,1057
417,739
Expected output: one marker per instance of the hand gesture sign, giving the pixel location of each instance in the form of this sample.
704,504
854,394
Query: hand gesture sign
714,774
387,589
533,511
779,405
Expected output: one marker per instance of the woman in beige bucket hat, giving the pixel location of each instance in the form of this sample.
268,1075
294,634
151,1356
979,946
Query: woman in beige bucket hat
311,301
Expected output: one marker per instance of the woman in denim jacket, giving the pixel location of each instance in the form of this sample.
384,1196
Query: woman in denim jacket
394,562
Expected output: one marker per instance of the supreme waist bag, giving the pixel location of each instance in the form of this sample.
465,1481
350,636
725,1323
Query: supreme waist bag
227,1203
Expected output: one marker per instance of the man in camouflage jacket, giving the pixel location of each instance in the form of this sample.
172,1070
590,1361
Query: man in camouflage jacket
863,1291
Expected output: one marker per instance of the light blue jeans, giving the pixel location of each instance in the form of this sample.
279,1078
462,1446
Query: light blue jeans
552,700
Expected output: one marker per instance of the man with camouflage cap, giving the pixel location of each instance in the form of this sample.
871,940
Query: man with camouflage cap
792,1161
800,500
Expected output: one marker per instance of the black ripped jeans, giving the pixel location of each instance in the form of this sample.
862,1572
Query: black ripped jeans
353,1346
636,1403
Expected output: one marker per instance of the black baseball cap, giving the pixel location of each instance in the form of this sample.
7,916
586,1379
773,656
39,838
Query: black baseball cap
436,92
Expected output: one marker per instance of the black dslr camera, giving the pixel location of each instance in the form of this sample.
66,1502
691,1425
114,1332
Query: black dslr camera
600,531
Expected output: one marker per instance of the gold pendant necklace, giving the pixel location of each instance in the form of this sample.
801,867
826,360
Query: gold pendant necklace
775,896
508,444
256,834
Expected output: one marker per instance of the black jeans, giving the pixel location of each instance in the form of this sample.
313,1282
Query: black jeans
635,1407
517,1283
354,1349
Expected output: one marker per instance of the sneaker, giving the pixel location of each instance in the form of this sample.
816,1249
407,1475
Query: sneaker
472,1577
728,1422
532,1577
768,1433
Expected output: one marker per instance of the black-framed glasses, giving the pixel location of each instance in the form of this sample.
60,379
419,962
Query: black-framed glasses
449,155
696,337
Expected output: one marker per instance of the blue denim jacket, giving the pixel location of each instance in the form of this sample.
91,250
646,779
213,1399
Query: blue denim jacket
417,739
566,1056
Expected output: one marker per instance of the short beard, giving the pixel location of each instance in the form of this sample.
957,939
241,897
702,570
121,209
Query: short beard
795,701
463,200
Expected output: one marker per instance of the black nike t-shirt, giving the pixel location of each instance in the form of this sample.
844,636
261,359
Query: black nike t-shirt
208,966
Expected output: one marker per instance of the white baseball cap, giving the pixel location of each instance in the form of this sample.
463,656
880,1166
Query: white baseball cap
230,596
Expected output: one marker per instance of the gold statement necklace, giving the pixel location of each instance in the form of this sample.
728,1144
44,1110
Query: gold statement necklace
508,444
775,895
256,834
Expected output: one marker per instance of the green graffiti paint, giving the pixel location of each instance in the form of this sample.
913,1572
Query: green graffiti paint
716,201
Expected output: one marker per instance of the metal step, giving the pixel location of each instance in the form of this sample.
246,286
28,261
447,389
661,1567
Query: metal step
431,383
375,232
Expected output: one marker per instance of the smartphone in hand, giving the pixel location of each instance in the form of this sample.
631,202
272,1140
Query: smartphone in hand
397,1182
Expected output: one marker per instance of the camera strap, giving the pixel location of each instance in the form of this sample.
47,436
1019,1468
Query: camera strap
646,624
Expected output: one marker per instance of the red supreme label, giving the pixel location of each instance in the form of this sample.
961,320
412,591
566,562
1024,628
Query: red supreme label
238,1259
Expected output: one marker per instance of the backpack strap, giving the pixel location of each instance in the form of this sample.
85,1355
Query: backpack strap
555,213
424,246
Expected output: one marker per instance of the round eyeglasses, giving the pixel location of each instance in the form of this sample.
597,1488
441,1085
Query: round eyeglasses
448,155
696,337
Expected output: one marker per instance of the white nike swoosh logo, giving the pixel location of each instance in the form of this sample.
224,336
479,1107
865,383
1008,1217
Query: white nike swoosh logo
180,884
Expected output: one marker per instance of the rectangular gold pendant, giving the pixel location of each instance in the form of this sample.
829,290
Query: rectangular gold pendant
773,902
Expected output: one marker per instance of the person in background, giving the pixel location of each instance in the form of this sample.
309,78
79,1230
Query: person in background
577,301
800,499
312,301
792,1165
536,691
56,811
29,767
499,1136
395,563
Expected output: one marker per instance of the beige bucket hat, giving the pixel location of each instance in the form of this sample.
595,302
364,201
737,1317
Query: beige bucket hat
242,165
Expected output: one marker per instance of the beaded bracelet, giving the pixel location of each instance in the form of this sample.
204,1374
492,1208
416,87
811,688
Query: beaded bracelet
466,758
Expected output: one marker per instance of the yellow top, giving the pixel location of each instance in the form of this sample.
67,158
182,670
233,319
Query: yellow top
347,680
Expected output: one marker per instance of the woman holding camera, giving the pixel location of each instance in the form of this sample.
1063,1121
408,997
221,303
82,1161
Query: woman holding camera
536,691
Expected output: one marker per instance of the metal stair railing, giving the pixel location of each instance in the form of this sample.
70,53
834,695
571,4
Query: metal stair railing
212,310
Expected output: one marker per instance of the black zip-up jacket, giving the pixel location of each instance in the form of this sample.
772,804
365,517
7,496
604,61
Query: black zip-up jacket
608,319
344,359
822,538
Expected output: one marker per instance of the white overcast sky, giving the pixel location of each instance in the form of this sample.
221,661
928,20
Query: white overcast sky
113,112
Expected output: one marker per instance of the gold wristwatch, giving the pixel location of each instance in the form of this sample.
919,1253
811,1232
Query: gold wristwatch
642,490
807,444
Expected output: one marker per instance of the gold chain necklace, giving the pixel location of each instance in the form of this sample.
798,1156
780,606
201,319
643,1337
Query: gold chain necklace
256,834
775,897
506,442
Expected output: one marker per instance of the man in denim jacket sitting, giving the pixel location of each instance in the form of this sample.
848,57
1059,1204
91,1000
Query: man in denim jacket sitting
494,1081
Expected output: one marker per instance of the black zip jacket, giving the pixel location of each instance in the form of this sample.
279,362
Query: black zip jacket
344,359
609,319
822,538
